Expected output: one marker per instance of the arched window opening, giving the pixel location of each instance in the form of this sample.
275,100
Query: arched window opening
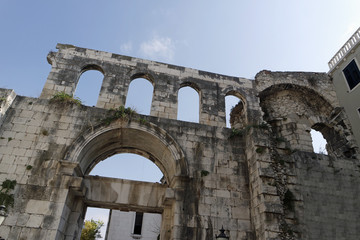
88,87
318,142
139,96
188,105
128,166
234,110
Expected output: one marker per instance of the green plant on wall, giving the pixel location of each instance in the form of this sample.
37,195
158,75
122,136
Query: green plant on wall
260,150
204,173
142,121
119,113
63,97
44,132
236,132
6,197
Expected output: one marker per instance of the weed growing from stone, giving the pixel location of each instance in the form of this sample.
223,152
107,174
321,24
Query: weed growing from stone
62,97
6,198
260,150
236,132
119,113
44,132
204,173
142,121
280,139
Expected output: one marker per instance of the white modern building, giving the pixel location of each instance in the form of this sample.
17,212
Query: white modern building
133,225
344,69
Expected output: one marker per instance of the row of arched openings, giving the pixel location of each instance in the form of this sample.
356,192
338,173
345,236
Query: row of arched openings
140,93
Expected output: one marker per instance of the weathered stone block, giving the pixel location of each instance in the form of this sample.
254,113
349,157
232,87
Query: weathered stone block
212,178
38,207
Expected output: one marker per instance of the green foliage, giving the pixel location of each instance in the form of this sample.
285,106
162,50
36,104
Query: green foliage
236,132
119,113
29,167
260,150
204,173
91,230
6,198
44,132
9,139
142,120
2,99
62,97
280,139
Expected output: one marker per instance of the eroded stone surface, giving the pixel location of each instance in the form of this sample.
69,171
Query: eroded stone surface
260,180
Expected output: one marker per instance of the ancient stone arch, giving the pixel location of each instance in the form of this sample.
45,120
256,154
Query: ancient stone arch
91,67
147,76
152,142
195,88
238,116
260,180
306,109
128,136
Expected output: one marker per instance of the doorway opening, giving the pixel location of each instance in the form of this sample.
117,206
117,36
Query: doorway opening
124,225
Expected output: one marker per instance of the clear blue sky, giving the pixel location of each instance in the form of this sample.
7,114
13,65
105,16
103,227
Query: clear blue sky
238,38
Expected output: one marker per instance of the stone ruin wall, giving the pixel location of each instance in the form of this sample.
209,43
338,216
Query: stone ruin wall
260,180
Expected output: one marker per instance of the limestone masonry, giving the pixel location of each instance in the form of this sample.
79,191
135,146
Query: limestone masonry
260,179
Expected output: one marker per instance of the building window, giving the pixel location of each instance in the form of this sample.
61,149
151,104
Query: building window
138,223
352,74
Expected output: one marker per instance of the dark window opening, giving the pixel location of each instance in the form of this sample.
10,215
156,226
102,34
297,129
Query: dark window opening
352,74
138,223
